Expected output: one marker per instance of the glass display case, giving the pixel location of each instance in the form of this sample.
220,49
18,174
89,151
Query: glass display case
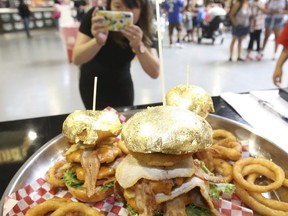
10,21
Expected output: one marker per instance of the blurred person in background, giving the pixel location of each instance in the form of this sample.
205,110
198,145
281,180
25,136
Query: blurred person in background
198,8
274,21
257,23
25,14
67,13
107,55
80,6
188,23
174,8
56,13
213,10
239,16
278,71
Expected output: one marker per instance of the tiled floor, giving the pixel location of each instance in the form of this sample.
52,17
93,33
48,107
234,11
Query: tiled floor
36,78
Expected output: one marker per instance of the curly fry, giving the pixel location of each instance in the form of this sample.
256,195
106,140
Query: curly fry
219,134
274,204
239,177
76,207
224,168
230,150
47,206
55,174
230,144
255,205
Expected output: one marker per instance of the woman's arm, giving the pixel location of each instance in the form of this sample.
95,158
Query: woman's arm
148,57
149,61
85,47
263,9
277,75
233,13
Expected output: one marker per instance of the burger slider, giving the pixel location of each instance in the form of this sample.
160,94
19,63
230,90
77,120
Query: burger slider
159,174
91,126
190,97
91,160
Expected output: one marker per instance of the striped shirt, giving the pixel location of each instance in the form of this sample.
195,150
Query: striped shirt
258,16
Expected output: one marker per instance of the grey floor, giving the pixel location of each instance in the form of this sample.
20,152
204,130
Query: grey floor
36,78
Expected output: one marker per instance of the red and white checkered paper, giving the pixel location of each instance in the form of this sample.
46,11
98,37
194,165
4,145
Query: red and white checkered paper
39,191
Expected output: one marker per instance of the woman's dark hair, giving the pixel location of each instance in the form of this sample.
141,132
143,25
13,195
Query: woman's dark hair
145,21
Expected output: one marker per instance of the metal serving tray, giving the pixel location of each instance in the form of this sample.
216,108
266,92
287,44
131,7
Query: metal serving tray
38,164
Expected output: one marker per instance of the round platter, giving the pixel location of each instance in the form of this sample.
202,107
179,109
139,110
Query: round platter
38,164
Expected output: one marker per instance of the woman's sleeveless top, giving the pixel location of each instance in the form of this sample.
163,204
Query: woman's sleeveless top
242,16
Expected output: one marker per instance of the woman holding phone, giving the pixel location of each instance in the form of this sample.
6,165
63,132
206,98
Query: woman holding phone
108,54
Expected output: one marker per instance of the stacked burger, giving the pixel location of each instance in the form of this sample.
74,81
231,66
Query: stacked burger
159,174
90,161
191,97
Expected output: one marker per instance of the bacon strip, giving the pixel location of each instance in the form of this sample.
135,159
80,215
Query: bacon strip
175,207
204,176
91,165
145,198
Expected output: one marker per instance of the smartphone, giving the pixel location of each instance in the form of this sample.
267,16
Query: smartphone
116,20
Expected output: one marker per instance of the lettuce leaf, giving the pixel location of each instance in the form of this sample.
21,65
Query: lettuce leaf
192,210
106,186
131,211
71,180
205,169
217,189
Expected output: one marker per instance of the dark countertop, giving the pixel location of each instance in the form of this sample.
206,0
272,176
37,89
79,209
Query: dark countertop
21,138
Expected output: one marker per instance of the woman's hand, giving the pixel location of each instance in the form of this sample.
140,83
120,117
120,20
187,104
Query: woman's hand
277,76
98,28
134,34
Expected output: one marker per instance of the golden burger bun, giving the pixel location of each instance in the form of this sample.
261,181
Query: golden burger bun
91,127
167,130
190,97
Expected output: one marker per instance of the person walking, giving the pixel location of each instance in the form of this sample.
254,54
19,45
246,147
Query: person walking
257,23
56,13
198,9
188,23
274,21
25,14
239,16
107,55
174,9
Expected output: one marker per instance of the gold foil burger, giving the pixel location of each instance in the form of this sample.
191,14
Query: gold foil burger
89,169
190,97
159,174
91,126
